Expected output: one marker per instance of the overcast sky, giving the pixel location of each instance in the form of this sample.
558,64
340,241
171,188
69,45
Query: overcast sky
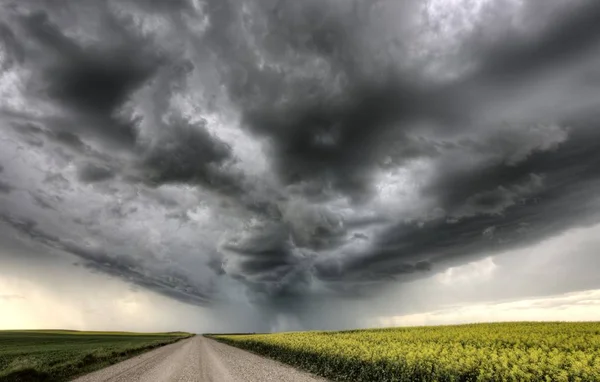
281,164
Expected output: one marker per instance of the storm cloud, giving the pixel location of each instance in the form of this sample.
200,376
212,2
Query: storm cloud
281,154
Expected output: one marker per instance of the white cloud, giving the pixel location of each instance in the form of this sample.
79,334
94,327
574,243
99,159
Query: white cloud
576,306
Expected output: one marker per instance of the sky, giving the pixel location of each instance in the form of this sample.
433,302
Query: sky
267,165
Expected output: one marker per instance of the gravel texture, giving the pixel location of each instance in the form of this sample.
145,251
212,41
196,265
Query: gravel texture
199,359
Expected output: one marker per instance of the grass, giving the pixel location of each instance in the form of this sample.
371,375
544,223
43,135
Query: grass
60,355
521,351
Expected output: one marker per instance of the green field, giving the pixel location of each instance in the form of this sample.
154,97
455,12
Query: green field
59,355
524,351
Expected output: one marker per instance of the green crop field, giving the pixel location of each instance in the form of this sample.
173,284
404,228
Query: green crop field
524,351
59,355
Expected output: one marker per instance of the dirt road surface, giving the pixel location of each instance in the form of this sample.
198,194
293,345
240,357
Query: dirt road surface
198,359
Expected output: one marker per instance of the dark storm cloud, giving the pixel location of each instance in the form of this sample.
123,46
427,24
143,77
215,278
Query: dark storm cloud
340,113
267,245
341,140
5,187
68,139
91,82
182,216
11,47
160,198
170,283
158,6
340,143
264,259
95,82
322,135
567,36
496,218
189,154
216,264
28,229
119,211
30,133
35,135
92,172
492,183
519,176
505,62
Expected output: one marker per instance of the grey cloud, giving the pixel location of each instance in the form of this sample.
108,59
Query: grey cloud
312,226
456,184
64,155
371,273
160,198
187,153
119,211
181,216
323,100
341,142
157,6
264,259
546,212
170,283
215,263
508,61
423,265
545,208
69,139
8,41
497,200
28,229
320,134
37,136
513,144
92,82
43,201
93,172
5,187
57,180
567,36
30,133
275,258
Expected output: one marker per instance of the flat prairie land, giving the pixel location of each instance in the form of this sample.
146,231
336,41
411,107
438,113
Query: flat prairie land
60,355
517,351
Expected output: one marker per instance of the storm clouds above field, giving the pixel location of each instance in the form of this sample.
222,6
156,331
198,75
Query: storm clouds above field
280,156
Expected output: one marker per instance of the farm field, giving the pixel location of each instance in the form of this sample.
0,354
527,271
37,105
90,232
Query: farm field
522,351
59,355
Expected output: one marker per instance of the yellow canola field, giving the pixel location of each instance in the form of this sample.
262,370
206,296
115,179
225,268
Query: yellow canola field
521,351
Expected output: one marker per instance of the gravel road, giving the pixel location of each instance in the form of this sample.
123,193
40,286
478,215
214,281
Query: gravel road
199,359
